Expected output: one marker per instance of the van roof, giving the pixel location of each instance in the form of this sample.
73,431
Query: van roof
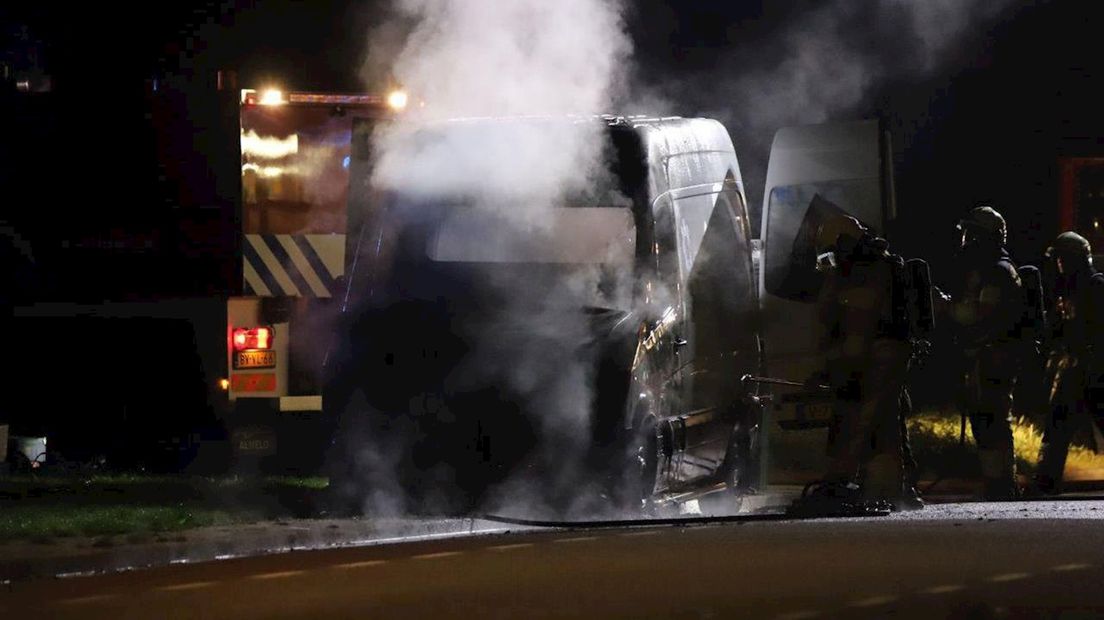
647,146
613,120
680,134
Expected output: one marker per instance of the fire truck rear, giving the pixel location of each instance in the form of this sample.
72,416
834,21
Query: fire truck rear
295,156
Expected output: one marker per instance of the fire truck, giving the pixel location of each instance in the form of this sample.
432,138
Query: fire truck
195,313
296,149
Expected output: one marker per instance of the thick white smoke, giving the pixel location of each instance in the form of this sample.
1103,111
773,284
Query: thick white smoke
530,58
493,58
549,67
485,58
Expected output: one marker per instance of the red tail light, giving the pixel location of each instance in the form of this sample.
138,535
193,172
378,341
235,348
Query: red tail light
255,338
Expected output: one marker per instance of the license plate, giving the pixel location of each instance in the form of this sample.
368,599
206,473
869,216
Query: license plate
254,359
256,441
815,411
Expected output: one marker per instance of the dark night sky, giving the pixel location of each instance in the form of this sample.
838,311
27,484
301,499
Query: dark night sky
985,125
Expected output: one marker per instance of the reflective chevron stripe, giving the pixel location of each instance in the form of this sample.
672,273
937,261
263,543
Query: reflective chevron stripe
292,265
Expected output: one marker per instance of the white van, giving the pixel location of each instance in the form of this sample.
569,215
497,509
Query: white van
849,164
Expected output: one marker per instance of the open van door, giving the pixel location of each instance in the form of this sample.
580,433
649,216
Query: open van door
849,165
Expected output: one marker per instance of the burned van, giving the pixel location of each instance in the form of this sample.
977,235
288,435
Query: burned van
564,336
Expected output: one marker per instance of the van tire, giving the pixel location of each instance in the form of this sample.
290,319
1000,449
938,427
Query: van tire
637,493
738,466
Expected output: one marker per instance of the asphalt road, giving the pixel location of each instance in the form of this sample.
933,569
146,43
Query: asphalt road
1039,559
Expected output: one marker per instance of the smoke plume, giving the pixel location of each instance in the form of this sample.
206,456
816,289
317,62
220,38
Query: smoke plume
549,67
827,63
481,58
570,59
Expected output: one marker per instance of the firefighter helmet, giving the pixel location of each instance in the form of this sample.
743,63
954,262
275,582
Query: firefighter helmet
1069,244
1071,251
841,232
984,222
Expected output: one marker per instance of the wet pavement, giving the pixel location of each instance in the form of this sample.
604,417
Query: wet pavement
968,560
22,560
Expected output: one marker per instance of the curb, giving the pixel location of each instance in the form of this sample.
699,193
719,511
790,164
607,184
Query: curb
79,557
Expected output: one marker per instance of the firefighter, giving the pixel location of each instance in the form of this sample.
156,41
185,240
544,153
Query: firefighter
867,352
1075,360
986,307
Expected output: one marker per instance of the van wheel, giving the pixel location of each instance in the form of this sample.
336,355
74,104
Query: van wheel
638,494
738,467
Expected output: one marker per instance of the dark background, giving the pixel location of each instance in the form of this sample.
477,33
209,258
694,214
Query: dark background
81,178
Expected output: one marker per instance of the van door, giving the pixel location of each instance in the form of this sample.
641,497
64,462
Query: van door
721,302
850,165
667,342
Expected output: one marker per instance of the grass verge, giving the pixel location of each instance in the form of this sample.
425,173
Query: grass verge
43,523
798,457
40,508
936,441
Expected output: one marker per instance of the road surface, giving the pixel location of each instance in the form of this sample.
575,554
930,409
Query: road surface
1029,559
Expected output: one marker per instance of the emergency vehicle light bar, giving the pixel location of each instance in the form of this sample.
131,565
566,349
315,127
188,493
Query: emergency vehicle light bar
335,99
269,97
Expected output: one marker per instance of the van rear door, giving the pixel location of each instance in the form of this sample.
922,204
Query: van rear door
850,165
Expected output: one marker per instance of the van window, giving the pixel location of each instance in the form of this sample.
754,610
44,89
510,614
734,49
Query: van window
599,235
668,276
729,232
786,208
722,298
693,214
426,247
